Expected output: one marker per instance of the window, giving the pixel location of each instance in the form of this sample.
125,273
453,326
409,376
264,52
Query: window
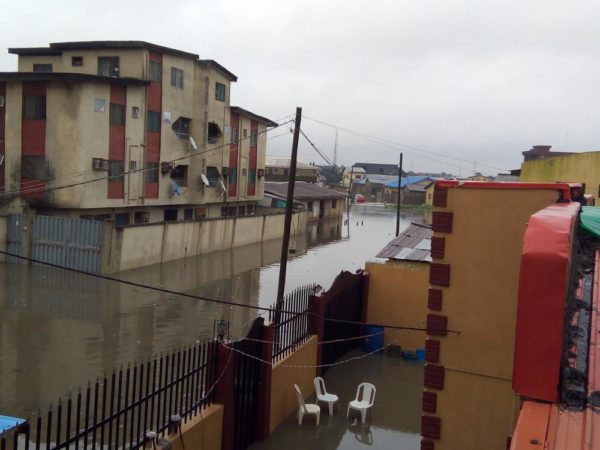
108,66
141,216
176,78
188,214
122,219
99,105
151,172
224,211
214,133
154,121
251,176
115,170
180,175
170,215
311,206
181,127
220,92
253,138
286,172
241,210
34,107
34,167
333,204
42,68
116,115
155,71
250,209
213,175
199,213
1,101
77,61
232,176
235,135
135,112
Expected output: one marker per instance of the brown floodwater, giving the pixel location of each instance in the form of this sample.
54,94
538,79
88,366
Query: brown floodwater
59,330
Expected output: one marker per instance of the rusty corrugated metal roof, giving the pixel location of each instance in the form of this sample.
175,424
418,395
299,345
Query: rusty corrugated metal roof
302,191
413,244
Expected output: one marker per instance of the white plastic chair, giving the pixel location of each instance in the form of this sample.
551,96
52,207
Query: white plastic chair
365,397
306,408
323,395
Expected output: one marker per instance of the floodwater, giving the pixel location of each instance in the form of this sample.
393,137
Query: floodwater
394,421
59,330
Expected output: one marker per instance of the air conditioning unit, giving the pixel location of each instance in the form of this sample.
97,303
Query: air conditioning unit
225,171
99,164
260,173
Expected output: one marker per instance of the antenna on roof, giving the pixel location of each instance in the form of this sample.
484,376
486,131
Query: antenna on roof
335,151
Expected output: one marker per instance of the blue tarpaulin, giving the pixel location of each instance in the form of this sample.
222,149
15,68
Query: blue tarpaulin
7,422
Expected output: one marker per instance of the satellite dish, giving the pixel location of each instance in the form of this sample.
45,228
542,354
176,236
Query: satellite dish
204,179
193,143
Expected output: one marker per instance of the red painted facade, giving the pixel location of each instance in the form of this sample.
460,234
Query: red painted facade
233,155
116,141
543,289
153,137
33,140
252,158
2,136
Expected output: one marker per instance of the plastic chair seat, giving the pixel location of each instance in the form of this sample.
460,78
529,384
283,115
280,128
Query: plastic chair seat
323,395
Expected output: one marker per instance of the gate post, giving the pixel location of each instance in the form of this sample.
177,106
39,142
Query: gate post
224,359
263,423
365,299
27,219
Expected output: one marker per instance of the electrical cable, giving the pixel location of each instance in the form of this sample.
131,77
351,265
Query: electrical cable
327,160
332,341
7,194
207,299
397,144
310,366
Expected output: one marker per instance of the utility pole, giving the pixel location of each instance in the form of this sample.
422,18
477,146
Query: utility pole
335,153
399,186
289,209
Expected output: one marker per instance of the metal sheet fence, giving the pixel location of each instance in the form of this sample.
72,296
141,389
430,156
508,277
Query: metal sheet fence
116,411
14,236
294,326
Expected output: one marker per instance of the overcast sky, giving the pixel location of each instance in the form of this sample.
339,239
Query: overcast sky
479,81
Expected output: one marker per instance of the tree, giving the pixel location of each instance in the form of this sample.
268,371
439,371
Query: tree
333,174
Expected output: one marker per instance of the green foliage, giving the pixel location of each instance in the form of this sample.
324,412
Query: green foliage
333,174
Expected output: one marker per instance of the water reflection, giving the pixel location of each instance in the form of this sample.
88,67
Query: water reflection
59,329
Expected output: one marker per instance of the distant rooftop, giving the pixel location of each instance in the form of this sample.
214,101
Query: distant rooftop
302,190
251,115
378,169
413,244
284,162
540,152
406,181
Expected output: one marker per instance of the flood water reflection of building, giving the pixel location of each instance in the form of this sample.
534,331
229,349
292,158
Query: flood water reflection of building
59,329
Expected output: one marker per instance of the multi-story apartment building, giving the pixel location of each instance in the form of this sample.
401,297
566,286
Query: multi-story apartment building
129,131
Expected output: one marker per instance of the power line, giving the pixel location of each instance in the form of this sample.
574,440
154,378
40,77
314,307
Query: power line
198,297
327,160
107,177
398,144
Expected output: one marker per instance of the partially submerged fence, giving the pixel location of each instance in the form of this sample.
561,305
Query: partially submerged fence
115,412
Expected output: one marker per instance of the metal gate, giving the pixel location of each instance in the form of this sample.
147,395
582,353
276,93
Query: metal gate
246,386
14,237
73,243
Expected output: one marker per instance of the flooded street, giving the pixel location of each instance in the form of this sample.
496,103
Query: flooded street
59,329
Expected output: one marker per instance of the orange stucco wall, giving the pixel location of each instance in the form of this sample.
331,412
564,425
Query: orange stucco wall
398,296
283,396
202,432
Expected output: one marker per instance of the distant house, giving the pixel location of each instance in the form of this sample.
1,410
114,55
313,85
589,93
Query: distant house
378,169
278,169
412,188
354,174
320,202
372,186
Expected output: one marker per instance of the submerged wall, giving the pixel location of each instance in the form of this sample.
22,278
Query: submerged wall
143,245
202,432
398,296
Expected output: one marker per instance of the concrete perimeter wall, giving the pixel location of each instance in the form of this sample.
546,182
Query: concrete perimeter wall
398,296
283,396
202,432
143,245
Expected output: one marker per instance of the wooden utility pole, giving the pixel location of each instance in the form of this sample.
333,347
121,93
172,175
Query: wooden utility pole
289,209
399,188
